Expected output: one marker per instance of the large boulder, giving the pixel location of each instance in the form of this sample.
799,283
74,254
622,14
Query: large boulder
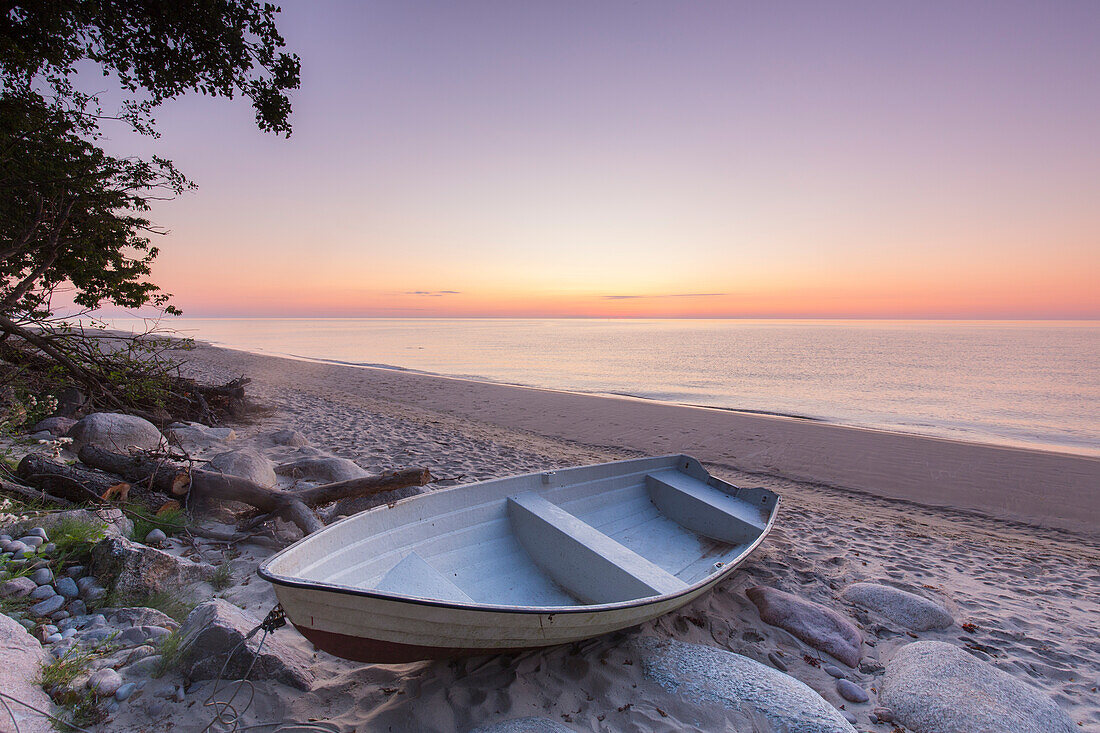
245,463
287,437
138,571
322,469
217,627
933,687
822,628
115,432
707,675
23,658
902,607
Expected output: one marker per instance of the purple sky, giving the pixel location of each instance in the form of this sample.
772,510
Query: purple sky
916,159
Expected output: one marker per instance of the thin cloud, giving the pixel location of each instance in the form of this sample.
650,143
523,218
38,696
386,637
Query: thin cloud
665,295
433,293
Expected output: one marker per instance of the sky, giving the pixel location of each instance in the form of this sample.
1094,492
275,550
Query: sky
651,159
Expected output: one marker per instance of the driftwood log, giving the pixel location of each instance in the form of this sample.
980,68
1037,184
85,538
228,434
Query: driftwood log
153,473
26,493
72,483
294,505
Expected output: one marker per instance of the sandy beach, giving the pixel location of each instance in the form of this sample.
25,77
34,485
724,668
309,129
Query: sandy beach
1026,594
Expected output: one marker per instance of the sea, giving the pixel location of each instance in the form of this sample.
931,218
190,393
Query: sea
1032,384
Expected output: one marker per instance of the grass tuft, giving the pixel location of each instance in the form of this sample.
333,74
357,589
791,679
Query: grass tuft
171,652
171,522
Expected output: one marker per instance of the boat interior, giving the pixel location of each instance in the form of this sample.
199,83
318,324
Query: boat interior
592,535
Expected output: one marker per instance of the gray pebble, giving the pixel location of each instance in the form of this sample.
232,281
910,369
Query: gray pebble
155,537
155,633
48,606
43,592
104,682
14,547
4,538
850,691
75,571
17,588
53,639
39,532
93,593
132,636
32,541
830,669
68,633
849,717
48,549
49,628
77,608
143,667
59,615
882,715
123,692
67,587
85,582
777,662
26,623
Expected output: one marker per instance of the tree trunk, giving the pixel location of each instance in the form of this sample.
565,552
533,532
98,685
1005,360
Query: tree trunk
73,483
156,475
27,494
294,506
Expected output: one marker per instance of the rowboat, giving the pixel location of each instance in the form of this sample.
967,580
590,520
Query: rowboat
519,562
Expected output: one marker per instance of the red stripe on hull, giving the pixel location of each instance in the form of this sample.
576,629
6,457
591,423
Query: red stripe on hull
362,649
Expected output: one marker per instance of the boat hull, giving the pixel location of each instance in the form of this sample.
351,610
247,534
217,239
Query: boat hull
369,629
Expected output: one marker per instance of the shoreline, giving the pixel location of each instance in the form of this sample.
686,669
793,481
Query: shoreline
1043,488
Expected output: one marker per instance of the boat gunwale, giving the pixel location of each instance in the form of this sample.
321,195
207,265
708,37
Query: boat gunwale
709,580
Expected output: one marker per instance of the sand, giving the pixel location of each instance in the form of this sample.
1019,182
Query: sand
1029,590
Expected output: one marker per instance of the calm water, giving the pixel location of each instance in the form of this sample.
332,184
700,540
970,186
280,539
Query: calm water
1017,383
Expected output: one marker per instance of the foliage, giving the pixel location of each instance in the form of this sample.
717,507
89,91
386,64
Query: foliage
170,521
74,538
170,650
222,577
73,216
171,605
58,675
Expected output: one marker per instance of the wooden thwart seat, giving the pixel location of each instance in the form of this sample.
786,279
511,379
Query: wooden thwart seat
586,562
702,508
413,576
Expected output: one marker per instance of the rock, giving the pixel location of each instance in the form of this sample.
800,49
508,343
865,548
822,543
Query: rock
133,636
74,571
42,576
17,587
288,437
931,686
38,532
138,571
69,402
833,671
104,682
882,715
850,691
321,469
850,717
53,638
67,587
23,658
707,675
140,616
115,432
144,667
32,541
247,464
93,593
43,592
125,690
155,537
55,425
214,628
196,437
48,606
777,662
901,607
42,435
525,725
822,628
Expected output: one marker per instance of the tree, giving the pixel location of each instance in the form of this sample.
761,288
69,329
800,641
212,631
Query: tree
70,214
